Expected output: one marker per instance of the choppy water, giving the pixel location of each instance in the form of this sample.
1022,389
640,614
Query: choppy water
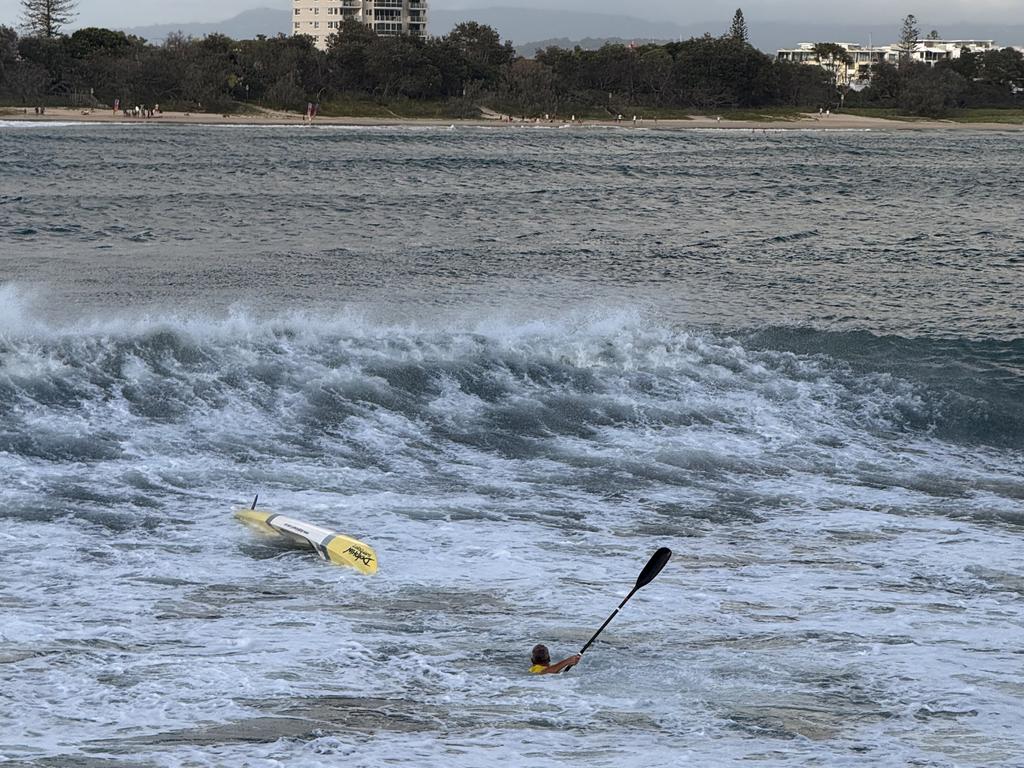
516,363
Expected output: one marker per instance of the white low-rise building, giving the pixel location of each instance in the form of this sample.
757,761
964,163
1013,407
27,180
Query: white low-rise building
933,51
862,58
321,18
865,57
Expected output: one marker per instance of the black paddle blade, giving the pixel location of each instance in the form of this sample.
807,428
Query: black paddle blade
257,496
653,567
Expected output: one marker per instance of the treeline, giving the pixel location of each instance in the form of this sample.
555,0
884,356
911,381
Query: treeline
467,68
993,79
216,73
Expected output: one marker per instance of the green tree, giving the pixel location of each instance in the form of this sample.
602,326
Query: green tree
45,18
22,81
480,53
1004,68
275,70
565,68
966,64
885,84
738,28
909,35
50,53
836,61
717,72
347,54
798,85
26,82
529,88
91,42
400,68
617,67
929,91
102,62
656,74
8,49
206,72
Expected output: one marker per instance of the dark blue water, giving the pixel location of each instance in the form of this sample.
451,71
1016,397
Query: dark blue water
904,234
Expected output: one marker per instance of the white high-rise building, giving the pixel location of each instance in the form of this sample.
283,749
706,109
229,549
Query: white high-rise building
321,18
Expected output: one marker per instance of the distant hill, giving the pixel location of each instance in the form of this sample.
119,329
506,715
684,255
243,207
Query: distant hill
529,50
521,25
245,26
590,30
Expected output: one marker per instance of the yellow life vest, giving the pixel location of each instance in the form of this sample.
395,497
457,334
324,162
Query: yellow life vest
537,669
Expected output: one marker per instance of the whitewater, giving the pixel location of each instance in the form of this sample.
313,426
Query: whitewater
515,363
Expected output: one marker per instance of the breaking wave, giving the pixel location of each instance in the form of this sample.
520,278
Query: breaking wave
615,408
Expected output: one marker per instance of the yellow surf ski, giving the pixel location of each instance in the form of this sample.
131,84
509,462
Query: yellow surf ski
331,546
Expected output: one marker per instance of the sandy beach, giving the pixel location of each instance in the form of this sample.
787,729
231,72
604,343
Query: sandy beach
807,121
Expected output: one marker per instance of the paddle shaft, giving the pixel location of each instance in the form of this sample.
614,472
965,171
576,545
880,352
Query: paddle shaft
652,569
606,623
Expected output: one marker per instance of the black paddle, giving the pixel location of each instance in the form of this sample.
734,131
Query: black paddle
652,569
254,502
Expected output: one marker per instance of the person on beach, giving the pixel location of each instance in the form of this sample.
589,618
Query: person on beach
542,665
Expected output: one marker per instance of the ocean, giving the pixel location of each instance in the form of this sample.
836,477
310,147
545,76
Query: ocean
516,362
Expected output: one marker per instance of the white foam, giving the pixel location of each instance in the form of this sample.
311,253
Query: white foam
24,125
820,598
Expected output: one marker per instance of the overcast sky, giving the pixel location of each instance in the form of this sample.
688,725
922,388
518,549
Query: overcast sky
933,13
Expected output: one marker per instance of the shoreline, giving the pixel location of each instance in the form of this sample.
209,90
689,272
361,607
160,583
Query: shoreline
807,121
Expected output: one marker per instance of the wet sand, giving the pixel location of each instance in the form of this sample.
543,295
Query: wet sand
807,121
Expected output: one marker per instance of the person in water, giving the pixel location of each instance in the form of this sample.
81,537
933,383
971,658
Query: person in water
542,661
